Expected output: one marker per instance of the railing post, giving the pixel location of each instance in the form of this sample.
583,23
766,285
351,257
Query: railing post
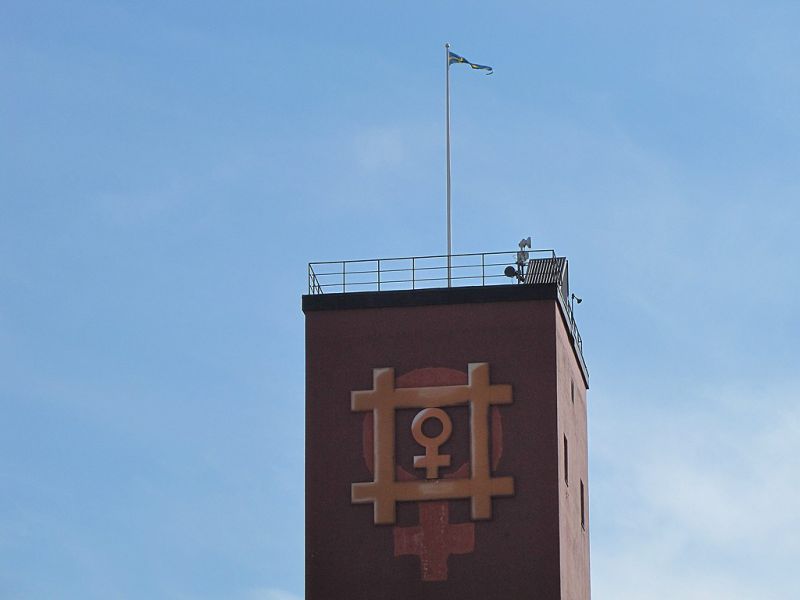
413,273
344,279
483,269
379,274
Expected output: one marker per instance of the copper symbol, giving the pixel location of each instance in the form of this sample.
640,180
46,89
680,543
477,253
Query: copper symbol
432,459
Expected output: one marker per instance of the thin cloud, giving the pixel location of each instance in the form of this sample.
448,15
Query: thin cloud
380,148
700,504
271,594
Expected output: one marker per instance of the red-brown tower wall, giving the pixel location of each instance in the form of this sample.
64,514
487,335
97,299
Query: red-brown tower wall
517,553
574,534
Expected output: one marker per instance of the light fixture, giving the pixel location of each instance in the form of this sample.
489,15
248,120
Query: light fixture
573,299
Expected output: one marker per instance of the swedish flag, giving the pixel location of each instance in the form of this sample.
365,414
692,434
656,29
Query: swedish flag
455,58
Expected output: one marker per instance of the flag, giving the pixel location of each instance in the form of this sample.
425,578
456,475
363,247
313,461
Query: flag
455,58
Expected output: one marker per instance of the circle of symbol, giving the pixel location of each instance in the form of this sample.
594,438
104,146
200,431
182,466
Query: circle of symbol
419,420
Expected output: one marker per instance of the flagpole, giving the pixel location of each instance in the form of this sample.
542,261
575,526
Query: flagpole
447,120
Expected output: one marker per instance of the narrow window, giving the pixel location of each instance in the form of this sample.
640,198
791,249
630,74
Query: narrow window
583,508
572,388
566,461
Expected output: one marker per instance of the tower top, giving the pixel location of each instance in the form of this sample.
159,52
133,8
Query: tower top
441,279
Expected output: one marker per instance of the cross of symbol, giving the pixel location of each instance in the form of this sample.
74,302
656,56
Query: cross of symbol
434,539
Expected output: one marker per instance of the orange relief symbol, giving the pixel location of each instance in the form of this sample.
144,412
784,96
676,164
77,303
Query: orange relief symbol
435,538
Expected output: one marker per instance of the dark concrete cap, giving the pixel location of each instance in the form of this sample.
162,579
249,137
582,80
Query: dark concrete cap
427,297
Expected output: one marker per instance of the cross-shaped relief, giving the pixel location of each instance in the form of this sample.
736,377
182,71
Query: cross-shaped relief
384,399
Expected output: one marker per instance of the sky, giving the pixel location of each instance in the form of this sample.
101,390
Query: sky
168,169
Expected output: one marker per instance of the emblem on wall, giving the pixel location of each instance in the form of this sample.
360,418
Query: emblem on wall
435,538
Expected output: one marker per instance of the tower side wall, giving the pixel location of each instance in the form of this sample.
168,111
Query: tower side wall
515,554
572,427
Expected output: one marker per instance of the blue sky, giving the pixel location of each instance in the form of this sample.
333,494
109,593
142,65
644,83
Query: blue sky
168,169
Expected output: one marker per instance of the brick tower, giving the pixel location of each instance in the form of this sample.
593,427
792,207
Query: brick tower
446,437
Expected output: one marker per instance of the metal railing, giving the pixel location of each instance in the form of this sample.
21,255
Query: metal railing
413,272
573,326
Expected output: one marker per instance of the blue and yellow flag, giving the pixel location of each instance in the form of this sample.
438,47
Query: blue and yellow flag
455,58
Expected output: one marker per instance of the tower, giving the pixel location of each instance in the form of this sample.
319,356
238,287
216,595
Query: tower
446,435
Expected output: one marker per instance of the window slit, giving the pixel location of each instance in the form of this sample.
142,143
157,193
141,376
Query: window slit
583,508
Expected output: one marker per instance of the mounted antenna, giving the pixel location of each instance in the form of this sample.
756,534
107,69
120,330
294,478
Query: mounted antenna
522,260
522,257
